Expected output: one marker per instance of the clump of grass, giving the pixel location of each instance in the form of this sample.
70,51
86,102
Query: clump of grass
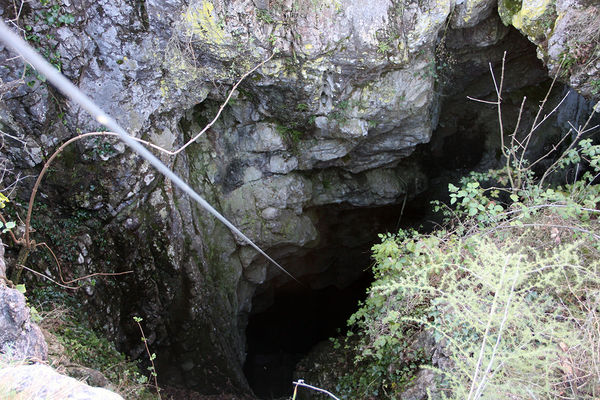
75,343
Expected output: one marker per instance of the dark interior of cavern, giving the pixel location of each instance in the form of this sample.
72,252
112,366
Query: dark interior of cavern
281,335
291,318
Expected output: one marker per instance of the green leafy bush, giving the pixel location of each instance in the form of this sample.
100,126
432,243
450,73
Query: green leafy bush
513,302
504,304
508,291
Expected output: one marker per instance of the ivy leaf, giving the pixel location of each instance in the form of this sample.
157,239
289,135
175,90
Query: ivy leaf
3,199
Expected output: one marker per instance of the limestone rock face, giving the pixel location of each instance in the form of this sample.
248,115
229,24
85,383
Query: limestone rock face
567,37
20,338
42,382
469,13
331,122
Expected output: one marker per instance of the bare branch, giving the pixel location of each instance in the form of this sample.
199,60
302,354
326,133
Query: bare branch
83,277
573,143
48,278
546,116
482,101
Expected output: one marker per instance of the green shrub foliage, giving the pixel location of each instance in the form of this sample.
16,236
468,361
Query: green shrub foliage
502,303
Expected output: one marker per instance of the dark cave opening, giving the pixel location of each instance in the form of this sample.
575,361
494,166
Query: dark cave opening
282,335
296,319
288,320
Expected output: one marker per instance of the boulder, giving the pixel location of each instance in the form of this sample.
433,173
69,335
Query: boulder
42,382
20,338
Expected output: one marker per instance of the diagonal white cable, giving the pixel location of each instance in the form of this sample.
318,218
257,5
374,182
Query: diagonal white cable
13,41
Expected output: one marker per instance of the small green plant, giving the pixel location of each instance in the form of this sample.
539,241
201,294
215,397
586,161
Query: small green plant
383,47
568,60
436,69
595,86
340,112
291,135
265,16
301,107
39,31
102,148
55,16
151,356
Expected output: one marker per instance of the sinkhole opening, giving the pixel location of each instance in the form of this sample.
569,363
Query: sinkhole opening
299,318
288,320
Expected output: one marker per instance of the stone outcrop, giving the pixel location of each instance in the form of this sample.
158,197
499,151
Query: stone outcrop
42,382
330,123
22,341
567,36
20,338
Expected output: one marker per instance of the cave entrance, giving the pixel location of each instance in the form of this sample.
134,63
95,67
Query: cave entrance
279,337
288,320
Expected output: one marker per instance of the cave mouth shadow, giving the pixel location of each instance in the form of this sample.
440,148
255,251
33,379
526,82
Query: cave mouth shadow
299,318
288,320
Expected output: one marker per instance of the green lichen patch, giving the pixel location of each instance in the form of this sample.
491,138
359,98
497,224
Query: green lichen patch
201,21
534,18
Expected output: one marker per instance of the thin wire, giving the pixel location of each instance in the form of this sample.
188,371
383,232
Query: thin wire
13,41
306,385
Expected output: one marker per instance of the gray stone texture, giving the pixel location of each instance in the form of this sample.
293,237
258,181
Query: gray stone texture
42,382
19,337
332,120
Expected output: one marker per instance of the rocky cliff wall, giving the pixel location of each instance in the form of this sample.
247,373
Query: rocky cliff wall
332,120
